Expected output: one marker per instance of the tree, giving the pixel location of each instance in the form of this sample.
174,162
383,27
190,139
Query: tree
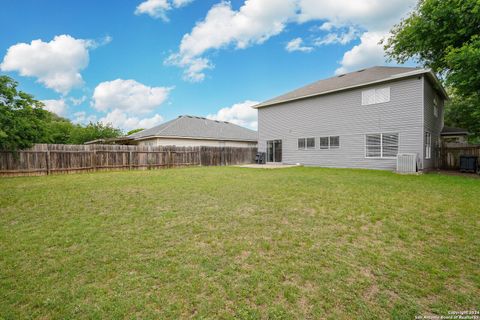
24,122
134,131
22,119
464,112
444,35
92,131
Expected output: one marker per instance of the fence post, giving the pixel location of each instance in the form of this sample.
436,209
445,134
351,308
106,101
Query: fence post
47,157
130,160
94,159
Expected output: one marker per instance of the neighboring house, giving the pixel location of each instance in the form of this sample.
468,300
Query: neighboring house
361,119
190,131
451,135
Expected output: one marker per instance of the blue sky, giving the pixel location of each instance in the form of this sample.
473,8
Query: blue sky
138,63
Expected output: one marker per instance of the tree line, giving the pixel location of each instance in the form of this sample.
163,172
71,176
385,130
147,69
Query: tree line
24,122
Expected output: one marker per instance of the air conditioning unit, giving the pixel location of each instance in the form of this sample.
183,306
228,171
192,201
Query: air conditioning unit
407,163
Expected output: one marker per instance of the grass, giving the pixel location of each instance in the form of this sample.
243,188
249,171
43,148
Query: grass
224,242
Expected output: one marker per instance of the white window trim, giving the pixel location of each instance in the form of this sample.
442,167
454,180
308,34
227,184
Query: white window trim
381,145
375,96
428,143
304,143
314,143
339,143
320,143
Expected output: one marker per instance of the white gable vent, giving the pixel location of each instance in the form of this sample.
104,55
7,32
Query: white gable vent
407,162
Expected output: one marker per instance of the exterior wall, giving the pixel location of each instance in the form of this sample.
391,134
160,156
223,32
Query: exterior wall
195,143
433,124
342,114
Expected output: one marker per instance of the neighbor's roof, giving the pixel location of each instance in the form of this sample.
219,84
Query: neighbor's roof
452,131
352,80
197,128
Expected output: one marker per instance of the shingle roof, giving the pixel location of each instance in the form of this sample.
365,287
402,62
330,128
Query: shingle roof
447,131
344,81
198,127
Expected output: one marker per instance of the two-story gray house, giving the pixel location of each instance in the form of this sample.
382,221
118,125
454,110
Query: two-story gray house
361,119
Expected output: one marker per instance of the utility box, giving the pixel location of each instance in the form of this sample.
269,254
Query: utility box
407,163
468,163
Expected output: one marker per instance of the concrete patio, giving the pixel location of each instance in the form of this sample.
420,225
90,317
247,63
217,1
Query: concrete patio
268,166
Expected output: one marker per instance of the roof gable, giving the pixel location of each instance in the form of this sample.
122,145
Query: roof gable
197,128
347,81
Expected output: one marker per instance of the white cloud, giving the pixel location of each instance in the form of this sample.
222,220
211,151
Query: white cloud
81,117
129,96
120,119
59,107
78,101
254,23
241,114
366,54
326,26
373,15
258,20
338,37
297,45
55,64
159,8
181,3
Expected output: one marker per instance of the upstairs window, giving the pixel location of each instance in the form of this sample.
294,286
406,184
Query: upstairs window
381,145
435,107
373,96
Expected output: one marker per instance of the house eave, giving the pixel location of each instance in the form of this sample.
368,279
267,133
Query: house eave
194,138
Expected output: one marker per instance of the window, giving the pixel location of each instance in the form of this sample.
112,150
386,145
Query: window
428,145
306,143
301,143
389,145
382,95
373,145
374,96
334,142
310,143
368,97
323,142
381,145
435,107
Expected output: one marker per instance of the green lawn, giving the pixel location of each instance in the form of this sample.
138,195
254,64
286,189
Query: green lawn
225,242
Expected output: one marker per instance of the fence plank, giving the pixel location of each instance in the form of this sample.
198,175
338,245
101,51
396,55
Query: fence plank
450,155
55,158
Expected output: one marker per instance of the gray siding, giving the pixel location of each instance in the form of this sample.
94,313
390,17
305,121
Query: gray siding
341,114
433,124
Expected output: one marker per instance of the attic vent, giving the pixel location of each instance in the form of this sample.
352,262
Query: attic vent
217,121
361,70
341,75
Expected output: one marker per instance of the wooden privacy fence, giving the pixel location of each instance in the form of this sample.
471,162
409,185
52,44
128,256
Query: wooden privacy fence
58,158
450,155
